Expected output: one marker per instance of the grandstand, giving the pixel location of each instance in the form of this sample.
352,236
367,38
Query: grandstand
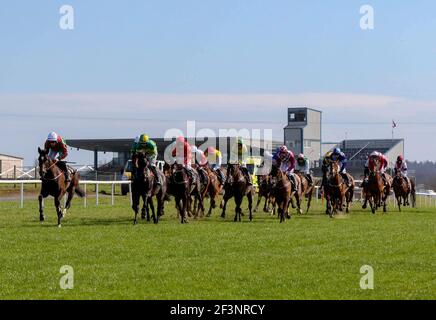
357,151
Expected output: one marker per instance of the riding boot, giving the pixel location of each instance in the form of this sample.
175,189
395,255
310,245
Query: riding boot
221,176
156,175
309,179
247,176
67,176
346,180
191,175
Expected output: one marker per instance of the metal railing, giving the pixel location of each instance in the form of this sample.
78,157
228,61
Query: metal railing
84,183
426,199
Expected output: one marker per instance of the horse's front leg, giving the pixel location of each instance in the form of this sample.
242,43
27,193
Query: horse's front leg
57,202
135,205
41,208
250,205
153,214
224,205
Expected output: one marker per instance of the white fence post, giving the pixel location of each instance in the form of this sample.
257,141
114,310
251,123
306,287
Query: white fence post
84,198
22,195
96,194
112,193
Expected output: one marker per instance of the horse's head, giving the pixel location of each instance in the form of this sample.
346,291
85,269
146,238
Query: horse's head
179,173
335,168
44,162
374,165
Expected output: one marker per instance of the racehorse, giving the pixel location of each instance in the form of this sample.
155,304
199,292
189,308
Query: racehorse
53,184
281,191
144,186
306,189
213,190
203,190
236,185
336,192
402,191
264,186
376,188
180,185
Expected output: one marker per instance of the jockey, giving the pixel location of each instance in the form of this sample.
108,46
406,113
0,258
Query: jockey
135,143
57,149
148,148
200,160
182,154
338,155
214,159
285,160
303,166
239,155
401,166
375,155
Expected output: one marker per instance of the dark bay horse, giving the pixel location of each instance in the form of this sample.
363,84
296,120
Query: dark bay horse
53,184
236,185
281,190
336,192
402,191
144,186
181,186
264,185
376,188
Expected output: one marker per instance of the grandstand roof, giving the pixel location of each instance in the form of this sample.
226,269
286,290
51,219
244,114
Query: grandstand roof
361,148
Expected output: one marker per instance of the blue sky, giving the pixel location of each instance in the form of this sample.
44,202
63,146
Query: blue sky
216,60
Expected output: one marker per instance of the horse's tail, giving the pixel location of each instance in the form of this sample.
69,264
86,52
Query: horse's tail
79,192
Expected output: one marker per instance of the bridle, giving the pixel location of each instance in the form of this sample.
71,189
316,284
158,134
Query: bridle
48,169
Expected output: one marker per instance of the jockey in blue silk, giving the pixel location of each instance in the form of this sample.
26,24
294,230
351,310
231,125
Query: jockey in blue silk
338,155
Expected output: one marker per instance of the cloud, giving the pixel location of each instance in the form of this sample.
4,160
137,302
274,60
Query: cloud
97,103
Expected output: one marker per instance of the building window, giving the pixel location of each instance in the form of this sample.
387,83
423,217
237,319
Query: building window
297,116
307,144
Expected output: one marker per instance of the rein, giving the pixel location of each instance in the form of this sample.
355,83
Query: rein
52,179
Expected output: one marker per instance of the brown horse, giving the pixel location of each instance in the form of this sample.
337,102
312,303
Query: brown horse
306,189
214,189
336,192
403,191
203,190
236,185
281,191
53,184
376,188
144,186
181,186
264,185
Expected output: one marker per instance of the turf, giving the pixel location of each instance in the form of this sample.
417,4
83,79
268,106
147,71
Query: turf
308,257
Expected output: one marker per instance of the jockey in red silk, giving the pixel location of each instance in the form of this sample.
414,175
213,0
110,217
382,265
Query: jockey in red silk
370,163
182,153
56,149
285,160
401,166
